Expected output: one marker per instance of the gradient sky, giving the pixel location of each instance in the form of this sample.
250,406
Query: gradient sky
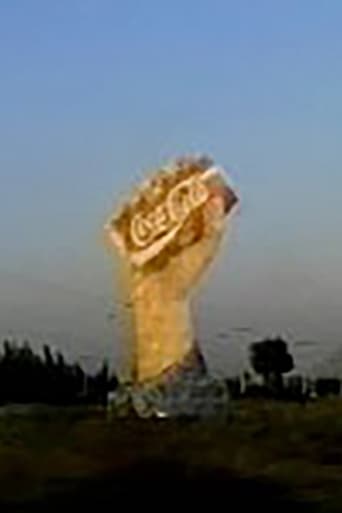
94,92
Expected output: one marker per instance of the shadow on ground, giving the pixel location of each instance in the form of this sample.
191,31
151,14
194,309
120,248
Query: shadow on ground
159,483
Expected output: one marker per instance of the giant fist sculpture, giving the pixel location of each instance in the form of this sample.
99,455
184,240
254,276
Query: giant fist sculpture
167,235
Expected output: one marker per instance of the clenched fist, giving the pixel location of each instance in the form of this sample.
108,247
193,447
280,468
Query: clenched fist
167,236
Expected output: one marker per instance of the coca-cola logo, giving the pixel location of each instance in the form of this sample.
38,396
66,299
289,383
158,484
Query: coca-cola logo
180,202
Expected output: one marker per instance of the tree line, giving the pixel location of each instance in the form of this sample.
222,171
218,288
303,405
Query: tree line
29,377
270,359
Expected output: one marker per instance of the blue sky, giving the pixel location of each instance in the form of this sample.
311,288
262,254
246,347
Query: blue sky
94,92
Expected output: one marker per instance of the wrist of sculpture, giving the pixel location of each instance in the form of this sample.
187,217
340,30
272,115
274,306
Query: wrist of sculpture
163,333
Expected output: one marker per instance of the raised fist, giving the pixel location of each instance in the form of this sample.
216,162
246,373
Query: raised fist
167,235
170,230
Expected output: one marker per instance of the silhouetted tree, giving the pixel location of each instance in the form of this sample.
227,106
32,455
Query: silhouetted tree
49,361
27,377
98,385
270,358
233,387
328,387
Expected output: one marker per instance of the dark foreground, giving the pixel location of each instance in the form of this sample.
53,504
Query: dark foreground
269,456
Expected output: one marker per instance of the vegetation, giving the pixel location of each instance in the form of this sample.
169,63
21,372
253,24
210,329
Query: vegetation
271,454
279,455
270,359
28,377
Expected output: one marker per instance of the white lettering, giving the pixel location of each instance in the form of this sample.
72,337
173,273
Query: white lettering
180,202
141,231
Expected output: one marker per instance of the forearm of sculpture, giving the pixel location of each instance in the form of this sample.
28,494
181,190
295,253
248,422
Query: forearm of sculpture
163,333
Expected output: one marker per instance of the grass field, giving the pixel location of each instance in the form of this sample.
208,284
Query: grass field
269,456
